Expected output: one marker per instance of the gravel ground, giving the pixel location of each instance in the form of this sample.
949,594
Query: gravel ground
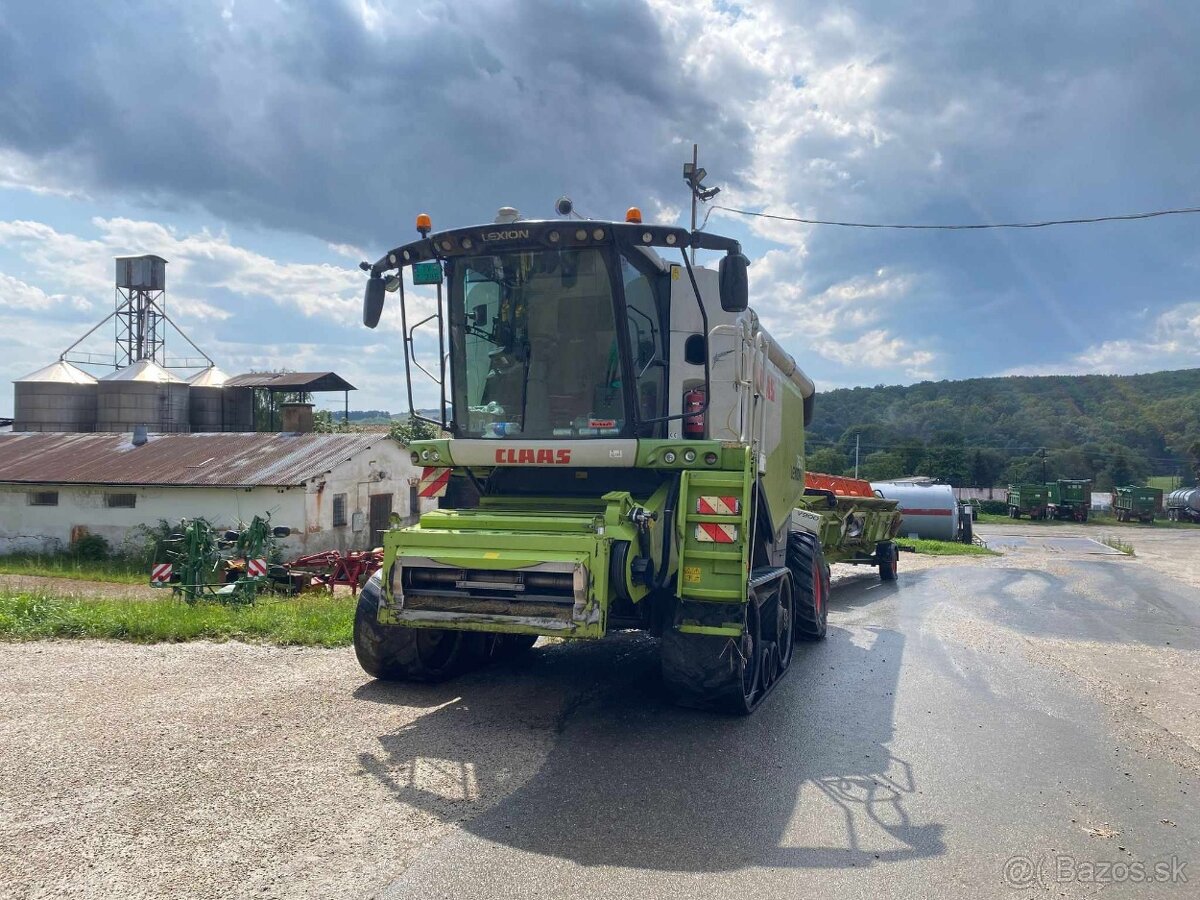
229,770
219,770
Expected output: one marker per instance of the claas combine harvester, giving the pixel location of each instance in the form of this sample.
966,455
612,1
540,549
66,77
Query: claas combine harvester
626,451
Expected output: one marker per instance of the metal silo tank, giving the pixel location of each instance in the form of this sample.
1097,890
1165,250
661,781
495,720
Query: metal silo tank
60,397
927,510
206,400
142,394
239,409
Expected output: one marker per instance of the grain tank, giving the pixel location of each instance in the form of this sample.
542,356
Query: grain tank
142,394
59,397
216,407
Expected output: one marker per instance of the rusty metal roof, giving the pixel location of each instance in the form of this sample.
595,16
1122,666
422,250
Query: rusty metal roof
196,460
313,382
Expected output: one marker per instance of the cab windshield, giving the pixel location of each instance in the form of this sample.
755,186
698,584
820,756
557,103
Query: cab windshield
534,345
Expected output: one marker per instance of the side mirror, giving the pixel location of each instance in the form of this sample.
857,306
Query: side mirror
373,301
735,288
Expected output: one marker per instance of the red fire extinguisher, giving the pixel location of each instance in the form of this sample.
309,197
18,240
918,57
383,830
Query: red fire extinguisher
693,408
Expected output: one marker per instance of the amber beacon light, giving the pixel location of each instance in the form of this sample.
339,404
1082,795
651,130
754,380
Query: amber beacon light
634,215
424,224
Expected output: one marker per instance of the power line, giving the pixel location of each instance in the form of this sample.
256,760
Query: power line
977,226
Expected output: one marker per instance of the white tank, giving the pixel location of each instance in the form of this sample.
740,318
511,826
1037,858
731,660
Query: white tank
927,510
1184,498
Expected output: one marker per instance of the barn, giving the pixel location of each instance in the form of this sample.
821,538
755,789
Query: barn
335,491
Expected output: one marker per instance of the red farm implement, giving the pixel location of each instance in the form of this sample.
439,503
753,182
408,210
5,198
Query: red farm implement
333,567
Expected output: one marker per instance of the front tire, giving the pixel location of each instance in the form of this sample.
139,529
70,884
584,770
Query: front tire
889,561
396,653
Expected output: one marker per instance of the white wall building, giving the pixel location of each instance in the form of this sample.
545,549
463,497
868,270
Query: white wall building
335,491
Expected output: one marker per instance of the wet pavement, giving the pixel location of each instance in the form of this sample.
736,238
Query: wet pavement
976,729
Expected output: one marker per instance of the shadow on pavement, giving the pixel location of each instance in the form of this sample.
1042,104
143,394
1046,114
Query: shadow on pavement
631,780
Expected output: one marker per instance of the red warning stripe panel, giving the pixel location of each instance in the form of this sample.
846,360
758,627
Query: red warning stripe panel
434,481
161,572
927,512
256,568
716,533
718,506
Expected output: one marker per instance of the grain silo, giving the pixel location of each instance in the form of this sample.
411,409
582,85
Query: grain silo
60,397
142,394
215,407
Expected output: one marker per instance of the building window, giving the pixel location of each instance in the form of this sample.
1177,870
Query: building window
43,498
120,501
414,501
339,510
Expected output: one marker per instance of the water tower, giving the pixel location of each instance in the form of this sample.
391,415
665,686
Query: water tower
141,309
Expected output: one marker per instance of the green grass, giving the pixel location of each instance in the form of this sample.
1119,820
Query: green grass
1117,544
63,565
1165,483
313,620
943,548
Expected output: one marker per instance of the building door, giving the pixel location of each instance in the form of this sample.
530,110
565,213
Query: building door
381,511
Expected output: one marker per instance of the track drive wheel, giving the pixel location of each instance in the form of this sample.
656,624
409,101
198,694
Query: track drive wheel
810,573
889,560
394,653
713,672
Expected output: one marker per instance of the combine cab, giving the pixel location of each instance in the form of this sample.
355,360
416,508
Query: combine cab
633,440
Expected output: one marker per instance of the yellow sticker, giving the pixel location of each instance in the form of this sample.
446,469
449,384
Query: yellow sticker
491,554
674,273
691,574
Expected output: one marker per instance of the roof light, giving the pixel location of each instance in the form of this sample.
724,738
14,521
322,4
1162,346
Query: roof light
634,215
598,234
424,224
581,234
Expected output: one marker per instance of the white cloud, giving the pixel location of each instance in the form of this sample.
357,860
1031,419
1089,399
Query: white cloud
1171,341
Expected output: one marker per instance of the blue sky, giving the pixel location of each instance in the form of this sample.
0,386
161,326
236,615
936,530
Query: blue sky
264,148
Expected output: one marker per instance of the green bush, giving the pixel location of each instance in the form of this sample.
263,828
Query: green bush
90,547
993,507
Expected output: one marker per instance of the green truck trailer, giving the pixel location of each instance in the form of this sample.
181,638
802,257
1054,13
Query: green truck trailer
1027,500
634,442
1069,498
1136,503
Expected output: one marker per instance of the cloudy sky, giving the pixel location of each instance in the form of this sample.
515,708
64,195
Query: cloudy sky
265,147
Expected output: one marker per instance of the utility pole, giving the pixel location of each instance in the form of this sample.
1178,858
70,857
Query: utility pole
856,456
694,175
1043,455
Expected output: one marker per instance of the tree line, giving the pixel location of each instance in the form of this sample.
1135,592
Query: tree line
986,432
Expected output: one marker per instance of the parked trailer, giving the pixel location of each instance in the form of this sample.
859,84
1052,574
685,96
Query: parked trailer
1183,505
635,438
1028,500
1136,503
1069,498
929,511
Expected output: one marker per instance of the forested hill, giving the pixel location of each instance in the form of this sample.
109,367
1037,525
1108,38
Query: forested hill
991,430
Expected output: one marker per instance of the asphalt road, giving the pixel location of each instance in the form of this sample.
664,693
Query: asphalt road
1022,727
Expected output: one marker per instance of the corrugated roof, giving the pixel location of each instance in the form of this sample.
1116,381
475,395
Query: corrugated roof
59,372
292,381
144,370
201,459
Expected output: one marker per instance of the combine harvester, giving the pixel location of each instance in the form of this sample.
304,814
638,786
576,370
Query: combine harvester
635,442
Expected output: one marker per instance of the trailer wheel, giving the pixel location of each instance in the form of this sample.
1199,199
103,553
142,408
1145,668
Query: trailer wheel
810,573
394,653
717,673
889,561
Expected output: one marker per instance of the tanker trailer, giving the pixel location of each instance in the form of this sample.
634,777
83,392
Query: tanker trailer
1183,505
635,441
928,511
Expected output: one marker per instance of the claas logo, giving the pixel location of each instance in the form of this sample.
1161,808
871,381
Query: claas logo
529,457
